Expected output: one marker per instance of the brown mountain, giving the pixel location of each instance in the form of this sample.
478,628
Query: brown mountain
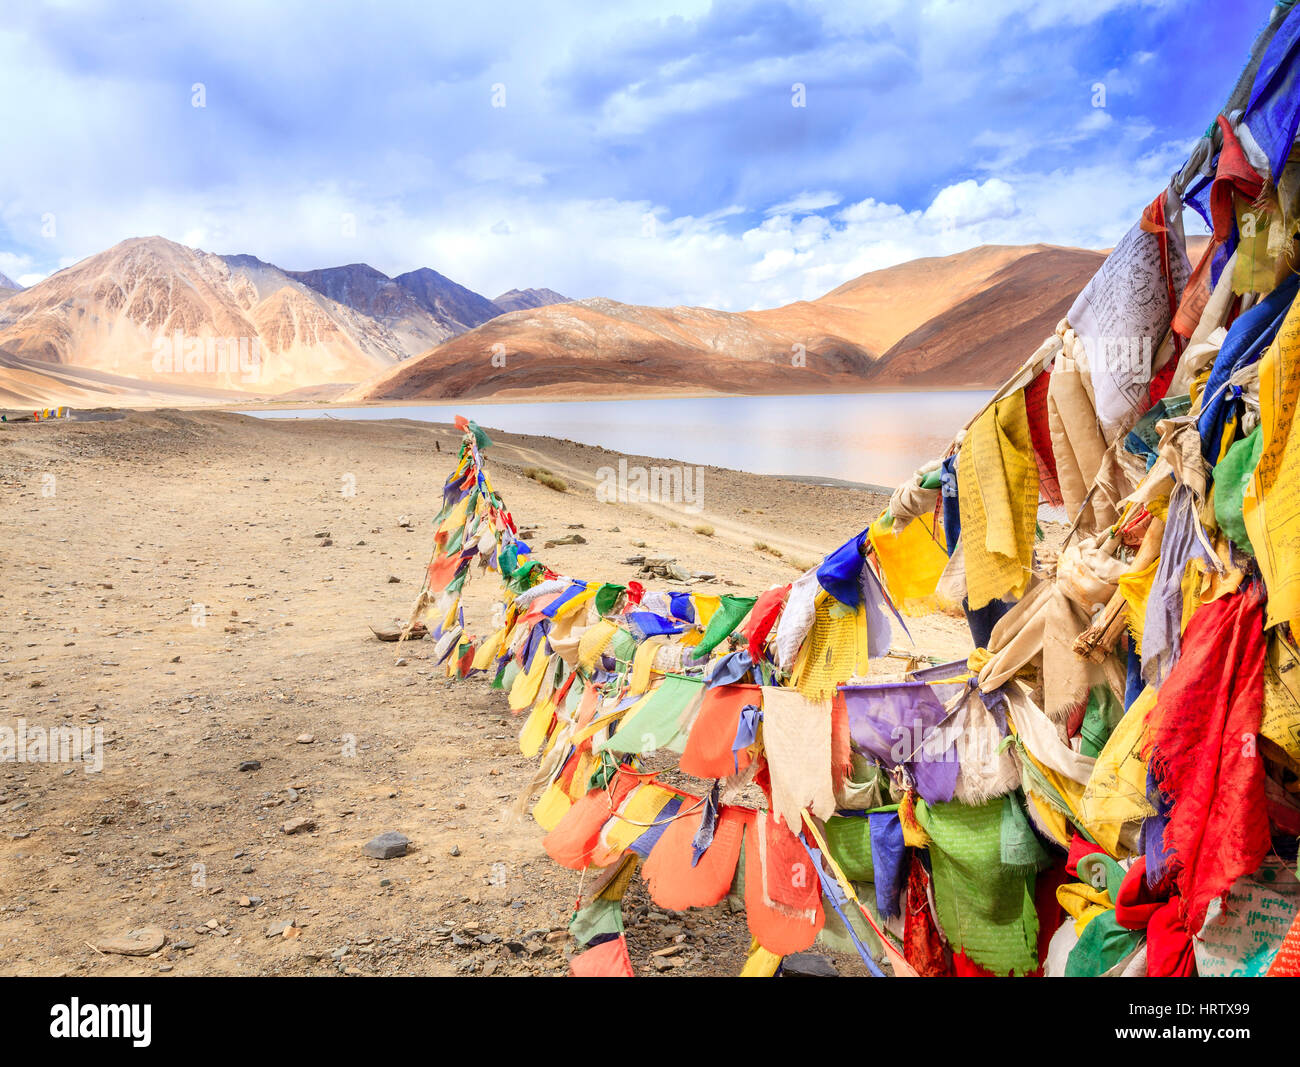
235,323
965,320
987,335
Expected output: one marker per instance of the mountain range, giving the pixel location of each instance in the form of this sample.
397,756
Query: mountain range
960,321
104,329
149,321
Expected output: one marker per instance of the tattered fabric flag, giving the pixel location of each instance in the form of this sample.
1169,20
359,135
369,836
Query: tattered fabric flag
1234,177
1286,964
998,476
835,649
730,613
645,844
656,724
1273,113
709,752
1021,849
1162,628
897,722
597,922
874,602
648,624
839,572
639,809
911,563
888,860
923,942
676,880
607,596
797,743
1121,317
848,842
985,910
682,608
1213,699
761,620
607,960
730,669
1269,502
1040,434
1248,341
574,839
1245,928
746,736
1232,476
782,892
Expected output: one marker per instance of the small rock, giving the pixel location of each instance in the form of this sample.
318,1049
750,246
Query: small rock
455,850
808,965
142,942
570,539
394,580
251,765
299,825
305,739
387,846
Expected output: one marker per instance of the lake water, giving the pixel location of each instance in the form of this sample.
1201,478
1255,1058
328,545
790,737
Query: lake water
873,438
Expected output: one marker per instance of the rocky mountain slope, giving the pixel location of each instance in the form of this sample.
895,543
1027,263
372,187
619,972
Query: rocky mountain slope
965,320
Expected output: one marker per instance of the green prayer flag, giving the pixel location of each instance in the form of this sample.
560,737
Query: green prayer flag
1232,474
606,597
730,614
656,724
985,909
848,840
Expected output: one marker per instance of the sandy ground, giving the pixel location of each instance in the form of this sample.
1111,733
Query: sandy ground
161,578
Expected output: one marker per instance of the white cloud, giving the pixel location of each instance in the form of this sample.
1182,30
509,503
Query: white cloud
969,202
805,203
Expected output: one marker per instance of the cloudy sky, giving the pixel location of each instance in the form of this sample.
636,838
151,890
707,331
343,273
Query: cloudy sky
732,153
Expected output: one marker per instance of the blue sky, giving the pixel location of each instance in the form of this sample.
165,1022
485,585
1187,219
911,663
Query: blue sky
648,152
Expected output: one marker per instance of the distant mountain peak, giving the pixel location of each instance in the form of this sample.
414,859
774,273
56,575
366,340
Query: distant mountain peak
8,283
446,300
117,315
520,299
